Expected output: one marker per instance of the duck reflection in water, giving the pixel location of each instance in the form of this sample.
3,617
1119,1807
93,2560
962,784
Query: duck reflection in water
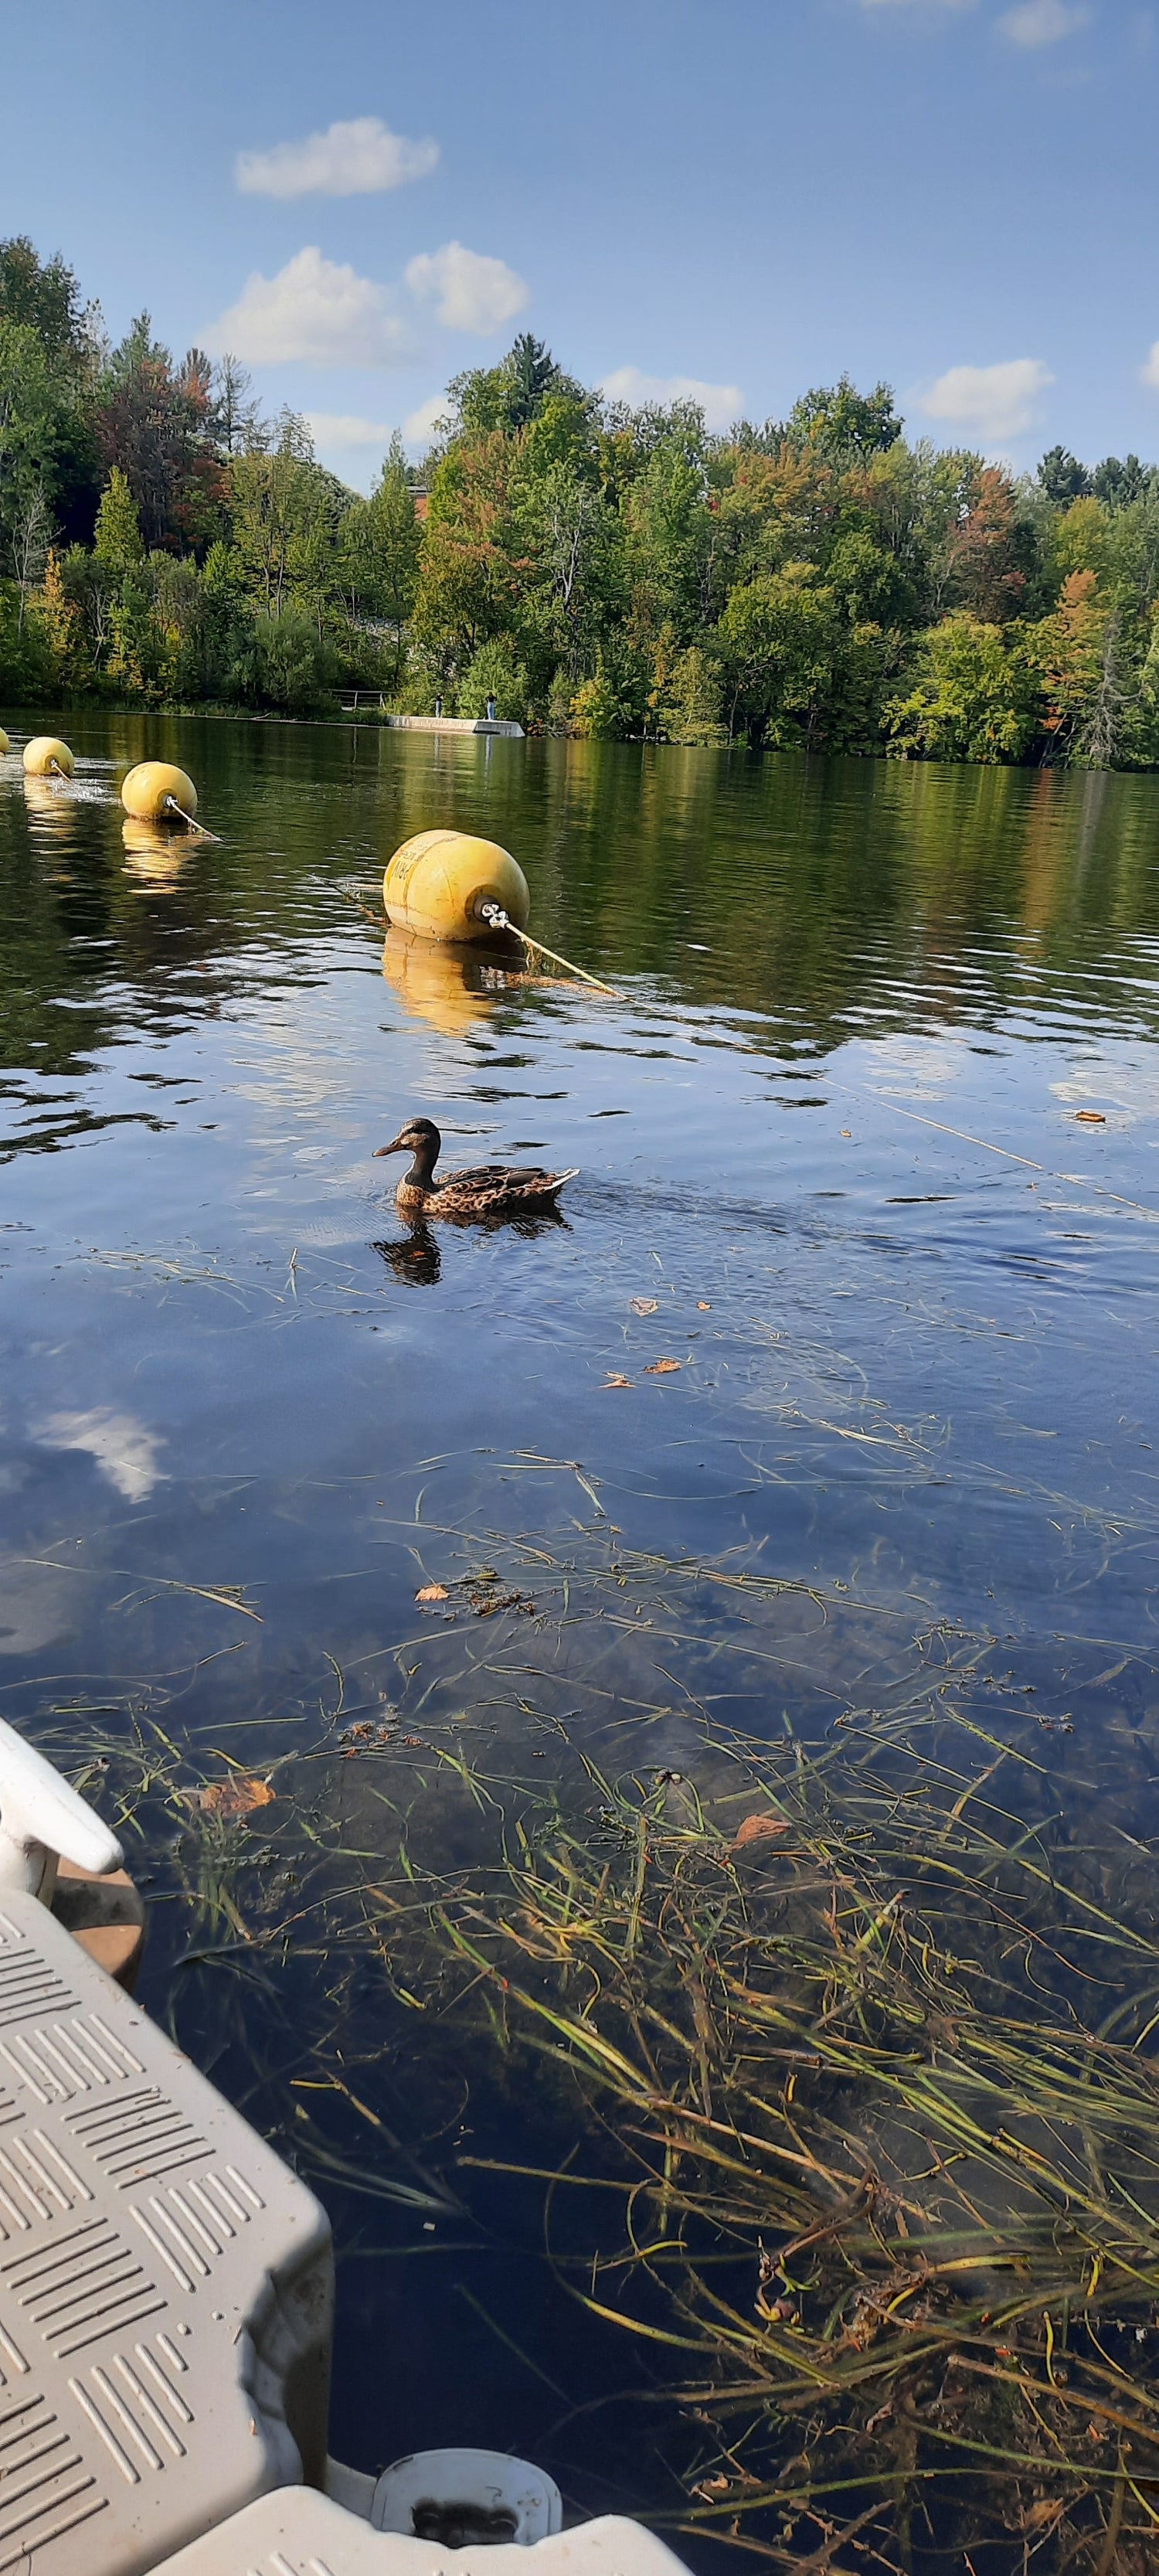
415,1257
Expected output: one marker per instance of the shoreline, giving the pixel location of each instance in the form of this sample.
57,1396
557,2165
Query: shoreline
479,729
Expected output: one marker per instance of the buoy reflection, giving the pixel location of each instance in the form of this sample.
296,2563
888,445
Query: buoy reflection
449,988
51,809
156,857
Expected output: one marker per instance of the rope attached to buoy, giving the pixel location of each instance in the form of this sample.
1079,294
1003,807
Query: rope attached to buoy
498,919
172,807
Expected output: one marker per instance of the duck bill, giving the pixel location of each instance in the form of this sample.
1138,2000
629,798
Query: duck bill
400,1146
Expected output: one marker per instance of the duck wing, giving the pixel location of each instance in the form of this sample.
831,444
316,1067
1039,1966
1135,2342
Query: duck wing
490,1187
471,1176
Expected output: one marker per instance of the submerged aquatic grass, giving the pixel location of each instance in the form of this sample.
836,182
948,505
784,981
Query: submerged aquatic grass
855,2063
881,2090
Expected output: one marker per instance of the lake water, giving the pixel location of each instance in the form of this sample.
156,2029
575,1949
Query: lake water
832,1162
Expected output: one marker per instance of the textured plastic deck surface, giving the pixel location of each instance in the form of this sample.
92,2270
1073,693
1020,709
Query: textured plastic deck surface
165,2282
298,2533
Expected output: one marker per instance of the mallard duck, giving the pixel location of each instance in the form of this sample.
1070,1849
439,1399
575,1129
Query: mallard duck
486,1190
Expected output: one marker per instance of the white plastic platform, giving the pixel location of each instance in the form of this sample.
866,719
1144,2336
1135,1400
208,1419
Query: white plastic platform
299,2533
166,2284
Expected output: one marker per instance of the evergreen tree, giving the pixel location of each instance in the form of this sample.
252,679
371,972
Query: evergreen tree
118,542
1062,478
820,582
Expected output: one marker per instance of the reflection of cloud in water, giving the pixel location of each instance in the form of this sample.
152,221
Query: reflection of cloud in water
1112,1082
35,1605
124,1450
918,1068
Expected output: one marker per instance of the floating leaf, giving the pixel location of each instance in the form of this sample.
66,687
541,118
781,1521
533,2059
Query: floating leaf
644,1305
662,1368
702,1306
758,1829
615,1378
1091,1117
236,1796
432,1592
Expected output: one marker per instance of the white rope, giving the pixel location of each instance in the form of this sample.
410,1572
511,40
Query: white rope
499,920
172,807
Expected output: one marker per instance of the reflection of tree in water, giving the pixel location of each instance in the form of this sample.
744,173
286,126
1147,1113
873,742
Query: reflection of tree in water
780,887
806,894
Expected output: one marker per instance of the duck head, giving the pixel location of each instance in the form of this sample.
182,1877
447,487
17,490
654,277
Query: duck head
419,1137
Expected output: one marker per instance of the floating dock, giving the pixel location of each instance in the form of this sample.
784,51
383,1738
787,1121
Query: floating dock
452,724
358,701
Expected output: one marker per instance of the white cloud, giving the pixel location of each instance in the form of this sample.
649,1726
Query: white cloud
124,1451
314,311
347,429
357,159
421,427
472,293
1150,372
1044,22
721,404
991,402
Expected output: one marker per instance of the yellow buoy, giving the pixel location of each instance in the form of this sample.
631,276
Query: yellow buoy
156,792
46,757
5,745
438,882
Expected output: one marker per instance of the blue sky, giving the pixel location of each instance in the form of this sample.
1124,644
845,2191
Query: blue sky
958,195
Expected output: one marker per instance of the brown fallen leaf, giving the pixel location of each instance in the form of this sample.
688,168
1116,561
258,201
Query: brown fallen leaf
615,1378
1091,1117
644,1305
758,1829
847,1131
432,1592
702,1306
234,1797
662,1368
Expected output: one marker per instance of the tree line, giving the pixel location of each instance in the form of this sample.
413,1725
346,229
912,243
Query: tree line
818,582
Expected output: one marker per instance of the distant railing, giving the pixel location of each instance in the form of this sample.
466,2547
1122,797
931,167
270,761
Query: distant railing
351,699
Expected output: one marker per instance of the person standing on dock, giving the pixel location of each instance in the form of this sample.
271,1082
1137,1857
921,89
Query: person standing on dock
438,708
